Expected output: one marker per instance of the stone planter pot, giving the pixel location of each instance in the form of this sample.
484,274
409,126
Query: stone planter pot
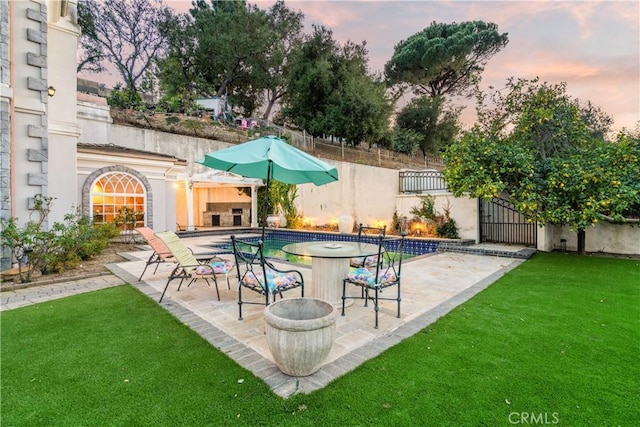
345,224
300,334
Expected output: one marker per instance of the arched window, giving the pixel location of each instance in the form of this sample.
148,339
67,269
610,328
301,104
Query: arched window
118,197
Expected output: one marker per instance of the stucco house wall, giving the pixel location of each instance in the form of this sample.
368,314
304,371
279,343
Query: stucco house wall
63,131
158,174
38,48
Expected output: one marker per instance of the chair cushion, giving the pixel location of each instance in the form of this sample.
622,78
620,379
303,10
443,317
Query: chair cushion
221,267
367,276
216,267
364,262
275,279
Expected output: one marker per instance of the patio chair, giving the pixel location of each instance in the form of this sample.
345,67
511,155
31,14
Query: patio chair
368,235
257,274
385,274
160,251
191,268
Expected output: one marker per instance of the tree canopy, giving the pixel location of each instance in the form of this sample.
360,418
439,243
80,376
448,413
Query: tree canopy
439,62
330,92
231,49
123,33
287,37
537,145
434,123
444,58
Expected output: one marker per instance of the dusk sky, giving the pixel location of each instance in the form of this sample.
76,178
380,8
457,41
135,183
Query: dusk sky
593,46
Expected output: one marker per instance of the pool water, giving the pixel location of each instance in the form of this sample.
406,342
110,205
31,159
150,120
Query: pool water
275,240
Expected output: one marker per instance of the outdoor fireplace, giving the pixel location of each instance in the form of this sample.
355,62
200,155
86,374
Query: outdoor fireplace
227,215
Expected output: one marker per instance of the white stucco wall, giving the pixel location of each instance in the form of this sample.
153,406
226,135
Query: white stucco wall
185,147
28,110
365,192
602,237
93,119
463,210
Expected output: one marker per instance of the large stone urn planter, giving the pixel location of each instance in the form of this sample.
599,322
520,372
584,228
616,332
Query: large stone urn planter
300,334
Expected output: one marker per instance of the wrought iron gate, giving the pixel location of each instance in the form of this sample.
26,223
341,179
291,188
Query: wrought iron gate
501,223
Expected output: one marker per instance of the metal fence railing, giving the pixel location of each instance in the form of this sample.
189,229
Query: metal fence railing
412,181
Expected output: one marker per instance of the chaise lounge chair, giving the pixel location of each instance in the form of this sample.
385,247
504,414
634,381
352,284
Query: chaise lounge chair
160,251
191,268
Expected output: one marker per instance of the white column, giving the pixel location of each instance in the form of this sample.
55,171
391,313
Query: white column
254,207
189,186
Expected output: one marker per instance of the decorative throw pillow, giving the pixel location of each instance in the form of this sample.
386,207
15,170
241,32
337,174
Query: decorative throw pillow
203,270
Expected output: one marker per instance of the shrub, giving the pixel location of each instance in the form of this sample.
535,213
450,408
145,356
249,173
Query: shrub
448,229
426,209
447,226
124,98
194,126
64,246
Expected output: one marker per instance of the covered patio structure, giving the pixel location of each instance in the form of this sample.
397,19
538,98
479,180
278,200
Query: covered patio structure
200,198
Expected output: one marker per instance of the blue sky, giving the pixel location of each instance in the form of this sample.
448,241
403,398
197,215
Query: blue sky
593,46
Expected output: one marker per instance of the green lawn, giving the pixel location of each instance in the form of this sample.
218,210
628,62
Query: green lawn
556,340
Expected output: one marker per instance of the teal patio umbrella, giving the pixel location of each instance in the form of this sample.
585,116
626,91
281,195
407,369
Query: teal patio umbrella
270,158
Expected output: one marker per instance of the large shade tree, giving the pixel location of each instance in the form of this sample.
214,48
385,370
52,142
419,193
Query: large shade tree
286,38
435,64
122,33
231,36
435,123
178,75
543,150
231,49
444,59
330,91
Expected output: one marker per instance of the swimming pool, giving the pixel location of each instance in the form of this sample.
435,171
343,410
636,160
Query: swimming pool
276,239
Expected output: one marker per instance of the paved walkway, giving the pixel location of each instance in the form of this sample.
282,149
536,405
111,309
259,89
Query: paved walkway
431,287
10,300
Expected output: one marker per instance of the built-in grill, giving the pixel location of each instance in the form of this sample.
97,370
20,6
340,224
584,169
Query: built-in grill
227,215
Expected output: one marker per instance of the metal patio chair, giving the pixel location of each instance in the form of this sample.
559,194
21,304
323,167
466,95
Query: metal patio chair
384,274
368,235
257,274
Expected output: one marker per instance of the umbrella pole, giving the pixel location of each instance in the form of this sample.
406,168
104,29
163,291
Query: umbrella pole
265,204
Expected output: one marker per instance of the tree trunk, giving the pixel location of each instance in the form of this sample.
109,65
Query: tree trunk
582,242
267,112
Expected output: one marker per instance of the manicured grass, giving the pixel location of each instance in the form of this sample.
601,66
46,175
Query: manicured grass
556,339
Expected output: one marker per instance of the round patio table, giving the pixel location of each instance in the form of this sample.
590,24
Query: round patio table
330,265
